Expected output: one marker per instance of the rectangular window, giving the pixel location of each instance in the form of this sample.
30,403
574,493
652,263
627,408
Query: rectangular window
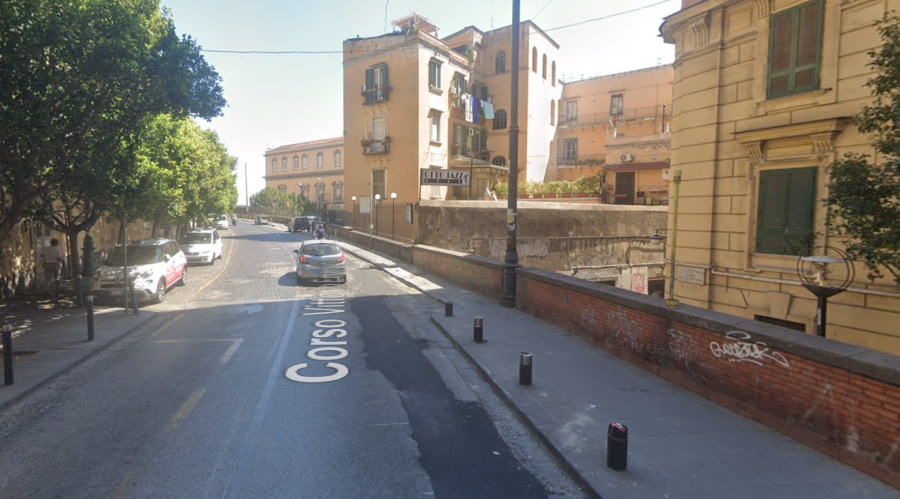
337,159
571,110
377,128
570,148
274,165
436,128
795,47
378,183
434,74
376,84
476,142
305,162
460,140
320,160
616,104
460,87
787,200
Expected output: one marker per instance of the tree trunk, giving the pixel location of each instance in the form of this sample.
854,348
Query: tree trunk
153,229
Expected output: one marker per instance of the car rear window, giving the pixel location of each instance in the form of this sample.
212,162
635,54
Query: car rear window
321,249
196,238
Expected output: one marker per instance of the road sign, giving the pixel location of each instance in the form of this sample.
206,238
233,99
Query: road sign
435,176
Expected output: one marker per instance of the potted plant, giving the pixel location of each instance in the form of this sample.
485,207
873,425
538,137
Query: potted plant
387,139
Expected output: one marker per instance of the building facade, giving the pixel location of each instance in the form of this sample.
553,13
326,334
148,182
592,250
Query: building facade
314,169
617,124
763,93
414,101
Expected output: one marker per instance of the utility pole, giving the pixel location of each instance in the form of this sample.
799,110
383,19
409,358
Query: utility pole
246,190
511,262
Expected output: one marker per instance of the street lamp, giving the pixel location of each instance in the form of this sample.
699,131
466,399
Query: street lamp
353,212
318,181
825,276
377,204
393,213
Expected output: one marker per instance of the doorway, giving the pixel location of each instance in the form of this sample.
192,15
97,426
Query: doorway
624,188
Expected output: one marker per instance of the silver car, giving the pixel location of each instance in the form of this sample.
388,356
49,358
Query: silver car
321,261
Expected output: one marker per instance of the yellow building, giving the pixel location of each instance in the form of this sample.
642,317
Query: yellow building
314,169
762,95
617,123
406,102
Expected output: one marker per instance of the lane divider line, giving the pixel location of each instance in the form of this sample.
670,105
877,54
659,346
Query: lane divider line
233,348
235,344
125,485
185,409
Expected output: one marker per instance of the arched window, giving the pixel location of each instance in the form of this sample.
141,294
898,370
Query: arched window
498,161
284,164
501,62
338,191
320,191
499,119
544,67
337,158
534,59
282,188
304,190
274,165
320,160
553,73
305,162
296,163
552,112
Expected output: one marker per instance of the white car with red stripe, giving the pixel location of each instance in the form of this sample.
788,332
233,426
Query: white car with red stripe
155,265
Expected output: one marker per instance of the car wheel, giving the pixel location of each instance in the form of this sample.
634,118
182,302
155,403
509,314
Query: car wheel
160,291
183,280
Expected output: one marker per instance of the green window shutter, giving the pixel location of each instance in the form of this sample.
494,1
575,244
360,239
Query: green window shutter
464,146
795,46
484,140
809,46
385,77
456,134
370,84
800,209
786,209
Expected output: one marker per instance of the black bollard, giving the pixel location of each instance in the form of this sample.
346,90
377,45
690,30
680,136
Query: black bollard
448,309
478,332
7,356
525,368
617,447
90,315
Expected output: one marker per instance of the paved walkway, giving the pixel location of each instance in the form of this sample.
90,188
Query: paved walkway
680,445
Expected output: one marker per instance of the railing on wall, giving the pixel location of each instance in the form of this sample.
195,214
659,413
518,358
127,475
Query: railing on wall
632,114
385,220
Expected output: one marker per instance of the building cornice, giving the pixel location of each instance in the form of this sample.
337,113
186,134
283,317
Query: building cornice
689,16
820,133
317,173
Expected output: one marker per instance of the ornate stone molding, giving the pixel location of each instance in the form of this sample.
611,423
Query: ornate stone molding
700,28
823,142
762,8
754,149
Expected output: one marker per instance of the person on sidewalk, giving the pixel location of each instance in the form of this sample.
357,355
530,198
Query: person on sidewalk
52,265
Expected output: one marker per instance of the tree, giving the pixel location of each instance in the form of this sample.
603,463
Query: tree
864,197
77,80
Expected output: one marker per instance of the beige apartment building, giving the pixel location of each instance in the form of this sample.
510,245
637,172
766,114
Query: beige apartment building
414,100
762,97
314,169
619,124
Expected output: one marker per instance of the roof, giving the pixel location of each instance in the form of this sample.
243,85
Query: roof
300,145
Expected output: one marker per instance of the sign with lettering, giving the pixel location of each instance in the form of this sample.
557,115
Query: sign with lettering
434,176
692,275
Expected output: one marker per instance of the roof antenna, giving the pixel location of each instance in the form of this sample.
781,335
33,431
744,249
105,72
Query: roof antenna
385,14
492,14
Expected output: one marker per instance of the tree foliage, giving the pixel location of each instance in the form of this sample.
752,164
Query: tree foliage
864,192
293,203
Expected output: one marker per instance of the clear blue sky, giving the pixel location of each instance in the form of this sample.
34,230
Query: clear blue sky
282,99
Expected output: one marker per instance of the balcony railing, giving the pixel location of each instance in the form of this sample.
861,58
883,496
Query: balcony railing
377,93
632,114
375,147
582,160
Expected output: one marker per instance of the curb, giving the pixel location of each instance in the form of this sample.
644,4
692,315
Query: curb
402,280
18,398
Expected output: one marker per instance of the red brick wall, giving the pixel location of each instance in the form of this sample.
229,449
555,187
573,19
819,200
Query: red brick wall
472,272
813,389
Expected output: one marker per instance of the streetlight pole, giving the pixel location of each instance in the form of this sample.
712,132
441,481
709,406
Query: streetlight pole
393,213
377,204
511,261
353,212
318,181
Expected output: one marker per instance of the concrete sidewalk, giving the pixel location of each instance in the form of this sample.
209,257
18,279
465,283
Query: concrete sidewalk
48,349
681,445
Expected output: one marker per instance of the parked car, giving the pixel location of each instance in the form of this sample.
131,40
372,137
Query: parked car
302,224
155,265
201,246
320,261
262,220
221,222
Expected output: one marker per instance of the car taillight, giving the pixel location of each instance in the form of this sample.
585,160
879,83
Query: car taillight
302,259
341,259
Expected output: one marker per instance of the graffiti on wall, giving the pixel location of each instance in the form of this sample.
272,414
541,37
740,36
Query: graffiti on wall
741,349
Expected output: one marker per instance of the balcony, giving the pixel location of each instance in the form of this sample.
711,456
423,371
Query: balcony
585,160
602,119
376,146
378,93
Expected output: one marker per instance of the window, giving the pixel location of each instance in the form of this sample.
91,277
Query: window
460,87
570,148
284,164
553,73
534,59
499,119
274,165
478,143
304,190
337,159
460,139
616,104
296,163
337,188
305,162
498,161
320,192
434,74
544,68
552,112
500,63
436,128
571,110
795,46
376,84
377,128
320,160
378,183
480,92
787,200
282,188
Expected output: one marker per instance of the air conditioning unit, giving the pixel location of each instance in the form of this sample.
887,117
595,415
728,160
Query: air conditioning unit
625,158
362,89
665,174
367,149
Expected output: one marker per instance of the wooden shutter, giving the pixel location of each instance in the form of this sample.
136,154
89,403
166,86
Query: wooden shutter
370,85
809,43
795,42
786,208
800,208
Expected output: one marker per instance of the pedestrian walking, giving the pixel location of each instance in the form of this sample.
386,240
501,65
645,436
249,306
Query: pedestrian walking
52,266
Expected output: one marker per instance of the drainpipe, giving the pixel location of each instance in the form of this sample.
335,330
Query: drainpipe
671,301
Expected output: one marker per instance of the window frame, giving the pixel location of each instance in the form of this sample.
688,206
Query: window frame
499,120
274,165
320,161
500,63
566,148
284,164
296,163
304,162
762,225
434,128
617,104
792,70
434,74
337,158
383,183
573,103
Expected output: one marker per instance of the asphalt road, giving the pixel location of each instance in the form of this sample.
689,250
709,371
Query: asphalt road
248,385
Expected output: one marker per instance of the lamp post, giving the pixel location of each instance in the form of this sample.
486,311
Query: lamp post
377,204
353,212
318,181
511,261
825,276
393,213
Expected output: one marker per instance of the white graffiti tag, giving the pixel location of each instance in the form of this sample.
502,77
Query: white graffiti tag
744,351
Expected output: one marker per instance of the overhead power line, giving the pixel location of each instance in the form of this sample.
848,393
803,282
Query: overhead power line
321,52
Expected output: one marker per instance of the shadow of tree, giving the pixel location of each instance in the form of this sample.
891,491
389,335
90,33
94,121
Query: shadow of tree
289,279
